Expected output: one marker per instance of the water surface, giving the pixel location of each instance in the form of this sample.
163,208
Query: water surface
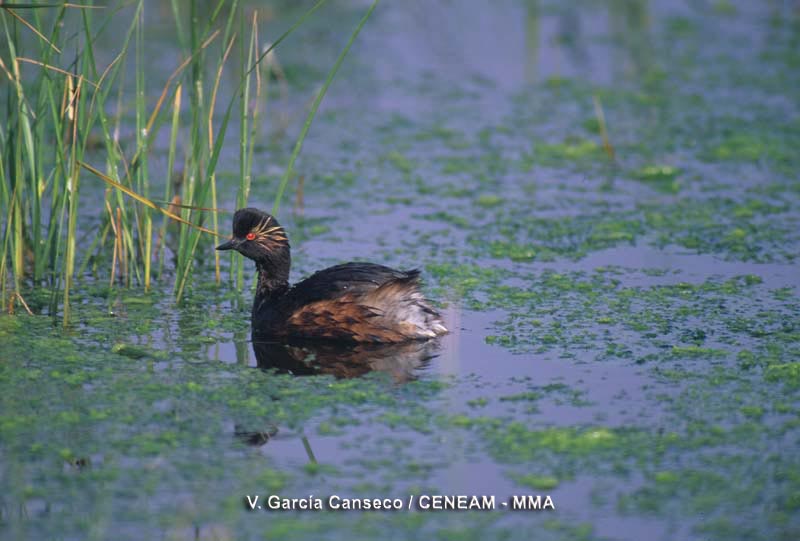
624,333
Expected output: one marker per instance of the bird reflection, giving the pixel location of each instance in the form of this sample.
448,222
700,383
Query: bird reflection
254,438
402,361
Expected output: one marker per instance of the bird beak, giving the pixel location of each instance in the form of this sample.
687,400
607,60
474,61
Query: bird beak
232,244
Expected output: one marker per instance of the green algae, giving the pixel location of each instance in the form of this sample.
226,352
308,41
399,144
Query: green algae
557,310
697,352
787,374
746,147
661,177
489,200
571,151
517,443
722,226
135,352
539,482
401,162
196,401
720,356
530,396
744,230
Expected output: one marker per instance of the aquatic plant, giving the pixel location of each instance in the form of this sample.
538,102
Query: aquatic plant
66,120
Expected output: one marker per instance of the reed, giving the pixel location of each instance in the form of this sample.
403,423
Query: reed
65,120
247,139
601,122
315,106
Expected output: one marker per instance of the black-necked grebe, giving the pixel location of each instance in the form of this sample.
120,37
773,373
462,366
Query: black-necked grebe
355,302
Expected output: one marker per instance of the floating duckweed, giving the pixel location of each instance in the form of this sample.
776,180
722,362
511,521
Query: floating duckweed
754,412
785,373
698,428
527,397
667,477
540,482
489,200
571,149
128,350
661,177
738,147
516,252
697,352
517,442
478,402
399,161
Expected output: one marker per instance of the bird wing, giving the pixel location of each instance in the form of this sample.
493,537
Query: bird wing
341,319
353,279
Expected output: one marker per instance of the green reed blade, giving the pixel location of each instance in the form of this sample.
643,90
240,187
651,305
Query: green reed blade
315,105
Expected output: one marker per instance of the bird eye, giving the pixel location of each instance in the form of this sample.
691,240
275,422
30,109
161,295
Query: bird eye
250,236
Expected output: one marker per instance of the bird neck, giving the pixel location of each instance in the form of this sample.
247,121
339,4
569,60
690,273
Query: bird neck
273,276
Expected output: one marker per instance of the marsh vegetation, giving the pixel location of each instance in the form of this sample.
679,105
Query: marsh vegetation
603,196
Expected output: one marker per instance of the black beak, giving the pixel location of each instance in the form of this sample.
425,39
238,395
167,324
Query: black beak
232,244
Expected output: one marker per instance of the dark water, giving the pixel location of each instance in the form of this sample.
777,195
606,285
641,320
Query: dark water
624,335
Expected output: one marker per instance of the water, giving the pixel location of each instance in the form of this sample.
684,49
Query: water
623,342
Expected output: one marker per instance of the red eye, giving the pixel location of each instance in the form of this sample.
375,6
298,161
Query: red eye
250,236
